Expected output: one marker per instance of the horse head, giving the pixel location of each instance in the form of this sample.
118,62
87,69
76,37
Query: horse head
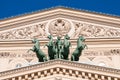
80,41
67,37
34,40
81,38
66,42
49,37
50,43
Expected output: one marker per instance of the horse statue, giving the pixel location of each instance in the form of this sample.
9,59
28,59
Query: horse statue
66,45
78,51
51,48
39,53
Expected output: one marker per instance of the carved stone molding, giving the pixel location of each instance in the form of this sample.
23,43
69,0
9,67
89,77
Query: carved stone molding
91,30
110,52
29,32
56,27
62,67
60,27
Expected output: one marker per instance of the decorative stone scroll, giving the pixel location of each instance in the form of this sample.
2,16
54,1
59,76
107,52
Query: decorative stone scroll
29,32
60,27
89,30
57,27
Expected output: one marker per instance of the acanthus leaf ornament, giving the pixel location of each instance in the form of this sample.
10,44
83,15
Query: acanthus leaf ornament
29,32
91,30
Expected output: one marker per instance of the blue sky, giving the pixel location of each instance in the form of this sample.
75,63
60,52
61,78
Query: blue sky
10,8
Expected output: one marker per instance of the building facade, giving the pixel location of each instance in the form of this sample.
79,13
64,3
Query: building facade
100,61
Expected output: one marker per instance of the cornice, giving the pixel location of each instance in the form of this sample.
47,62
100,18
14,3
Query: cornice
61,64
65,8
88,16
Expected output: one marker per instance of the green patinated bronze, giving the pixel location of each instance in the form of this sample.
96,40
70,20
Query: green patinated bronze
51,48
66,45
78,51
39,53
59,49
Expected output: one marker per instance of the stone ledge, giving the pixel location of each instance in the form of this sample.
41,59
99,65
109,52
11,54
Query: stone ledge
58,63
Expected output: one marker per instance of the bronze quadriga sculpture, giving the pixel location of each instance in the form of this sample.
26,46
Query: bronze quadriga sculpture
59,49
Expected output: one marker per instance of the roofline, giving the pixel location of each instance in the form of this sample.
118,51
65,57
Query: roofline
60,7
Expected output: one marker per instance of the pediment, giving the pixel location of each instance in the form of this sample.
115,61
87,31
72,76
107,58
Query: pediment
61,70
58,22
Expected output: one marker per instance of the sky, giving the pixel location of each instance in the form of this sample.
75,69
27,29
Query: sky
9,8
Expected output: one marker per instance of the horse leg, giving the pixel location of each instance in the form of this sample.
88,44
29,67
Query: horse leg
44,59
59,55
72,58
39,59
62,57
56,56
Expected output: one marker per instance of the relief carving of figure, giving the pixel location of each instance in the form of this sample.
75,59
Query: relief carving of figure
78,29
34,31
37,31
83,29
88,30
99,31
112,32
41,30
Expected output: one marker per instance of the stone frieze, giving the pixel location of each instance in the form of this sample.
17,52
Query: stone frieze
60,27
29,32
91,30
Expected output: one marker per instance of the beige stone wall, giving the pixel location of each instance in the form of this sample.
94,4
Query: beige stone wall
103,53
102,35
